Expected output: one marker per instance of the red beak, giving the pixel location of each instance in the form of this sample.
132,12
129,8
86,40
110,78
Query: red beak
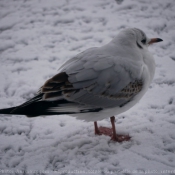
155,40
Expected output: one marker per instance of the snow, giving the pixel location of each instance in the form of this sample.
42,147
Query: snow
36,38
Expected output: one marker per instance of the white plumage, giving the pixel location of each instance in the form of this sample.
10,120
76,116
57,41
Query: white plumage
98,83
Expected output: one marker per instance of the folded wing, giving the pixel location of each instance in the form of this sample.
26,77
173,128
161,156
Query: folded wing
100,82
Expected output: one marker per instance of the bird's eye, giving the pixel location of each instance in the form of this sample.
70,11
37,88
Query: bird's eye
143,41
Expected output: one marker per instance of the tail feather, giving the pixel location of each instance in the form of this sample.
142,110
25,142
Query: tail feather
48,108
7,110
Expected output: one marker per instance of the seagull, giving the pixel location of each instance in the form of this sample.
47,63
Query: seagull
98,83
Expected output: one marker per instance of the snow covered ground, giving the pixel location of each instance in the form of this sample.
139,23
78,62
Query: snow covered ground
36,37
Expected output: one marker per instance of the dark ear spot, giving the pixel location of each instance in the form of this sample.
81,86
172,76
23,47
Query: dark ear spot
139,45
143,41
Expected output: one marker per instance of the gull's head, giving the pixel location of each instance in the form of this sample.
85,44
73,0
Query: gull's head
136,37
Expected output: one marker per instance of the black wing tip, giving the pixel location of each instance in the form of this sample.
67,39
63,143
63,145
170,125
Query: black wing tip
91,110
7,110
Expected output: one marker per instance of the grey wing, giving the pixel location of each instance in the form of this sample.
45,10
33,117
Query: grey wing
75,62
100,81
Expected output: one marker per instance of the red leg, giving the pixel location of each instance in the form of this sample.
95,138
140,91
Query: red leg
96,130
110,132
102,130
116,137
